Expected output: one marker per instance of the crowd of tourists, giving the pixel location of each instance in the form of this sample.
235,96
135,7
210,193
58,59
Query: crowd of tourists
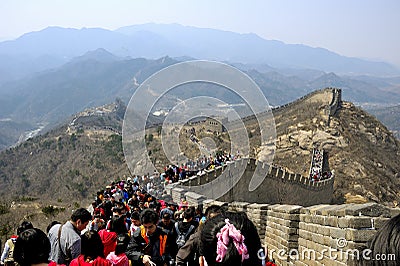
135,222
316,170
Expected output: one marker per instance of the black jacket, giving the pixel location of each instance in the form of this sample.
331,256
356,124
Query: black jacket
157,246
190,252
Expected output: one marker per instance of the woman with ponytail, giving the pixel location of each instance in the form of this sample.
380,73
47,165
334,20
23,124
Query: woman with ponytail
231,239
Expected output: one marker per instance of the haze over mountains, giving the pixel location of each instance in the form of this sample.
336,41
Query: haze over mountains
49,75
53,46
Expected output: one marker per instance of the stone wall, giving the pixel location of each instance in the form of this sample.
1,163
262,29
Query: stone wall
278,186
335,104
327,95
315,235
336,101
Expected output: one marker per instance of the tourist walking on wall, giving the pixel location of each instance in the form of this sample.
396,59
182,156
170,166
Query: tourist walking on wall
150,244
32,248
92,253
230,239
65,238
7,255
118,257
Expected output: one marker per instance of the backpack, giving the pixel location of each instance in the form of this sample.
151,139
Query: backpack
182,237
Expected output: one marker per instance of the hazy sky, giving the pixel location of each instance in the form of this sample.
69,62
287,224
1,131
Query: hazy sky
360,28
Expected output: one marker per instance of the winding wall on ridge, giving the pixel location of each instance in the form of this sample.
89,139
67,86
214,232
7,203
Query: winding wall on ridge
291,215
278,187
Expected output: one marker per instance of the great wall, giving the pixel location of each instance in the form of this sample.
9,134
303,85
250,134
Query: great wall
279,185
294,219
301,231
332,97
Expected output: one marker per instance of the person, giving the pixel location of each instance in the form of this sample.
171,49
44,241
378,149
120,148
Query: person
32,247
183,229
169,209
97,223
135,222
109,237
166,223
384,243
118,257
91,251
192,253
150,244
65,238
230,239
7,255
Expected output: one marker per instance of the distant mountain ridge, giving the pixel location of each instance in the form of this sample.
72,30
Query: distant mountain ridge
53,46
98,77
250,48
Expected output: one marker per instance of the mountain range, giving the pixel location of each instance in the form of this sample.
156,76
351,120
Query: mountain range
49,75
53,46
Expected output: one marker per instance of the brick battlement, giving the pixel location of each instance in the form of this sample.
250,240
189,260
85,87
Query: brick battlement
278,186
297,235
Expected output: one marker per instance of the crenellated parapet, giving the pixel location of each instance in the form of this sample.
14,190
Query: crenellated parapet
330,97
316,235
278,185
327,94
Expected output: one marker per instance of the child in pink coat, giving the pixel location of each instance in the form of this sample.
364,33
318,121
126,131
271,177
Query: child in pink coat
118,257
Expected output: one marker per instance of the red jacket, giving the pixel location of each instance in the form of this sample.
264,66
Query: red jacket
109,240
99,261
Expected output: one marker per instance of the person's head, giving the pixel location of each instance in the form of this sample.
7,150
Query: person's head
385,241
239,227
24,226
119,211
51,225
210,212
32,247
91,245
213,210
122,243
81,218
149,219
135,218
188,214
117,225
166,218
